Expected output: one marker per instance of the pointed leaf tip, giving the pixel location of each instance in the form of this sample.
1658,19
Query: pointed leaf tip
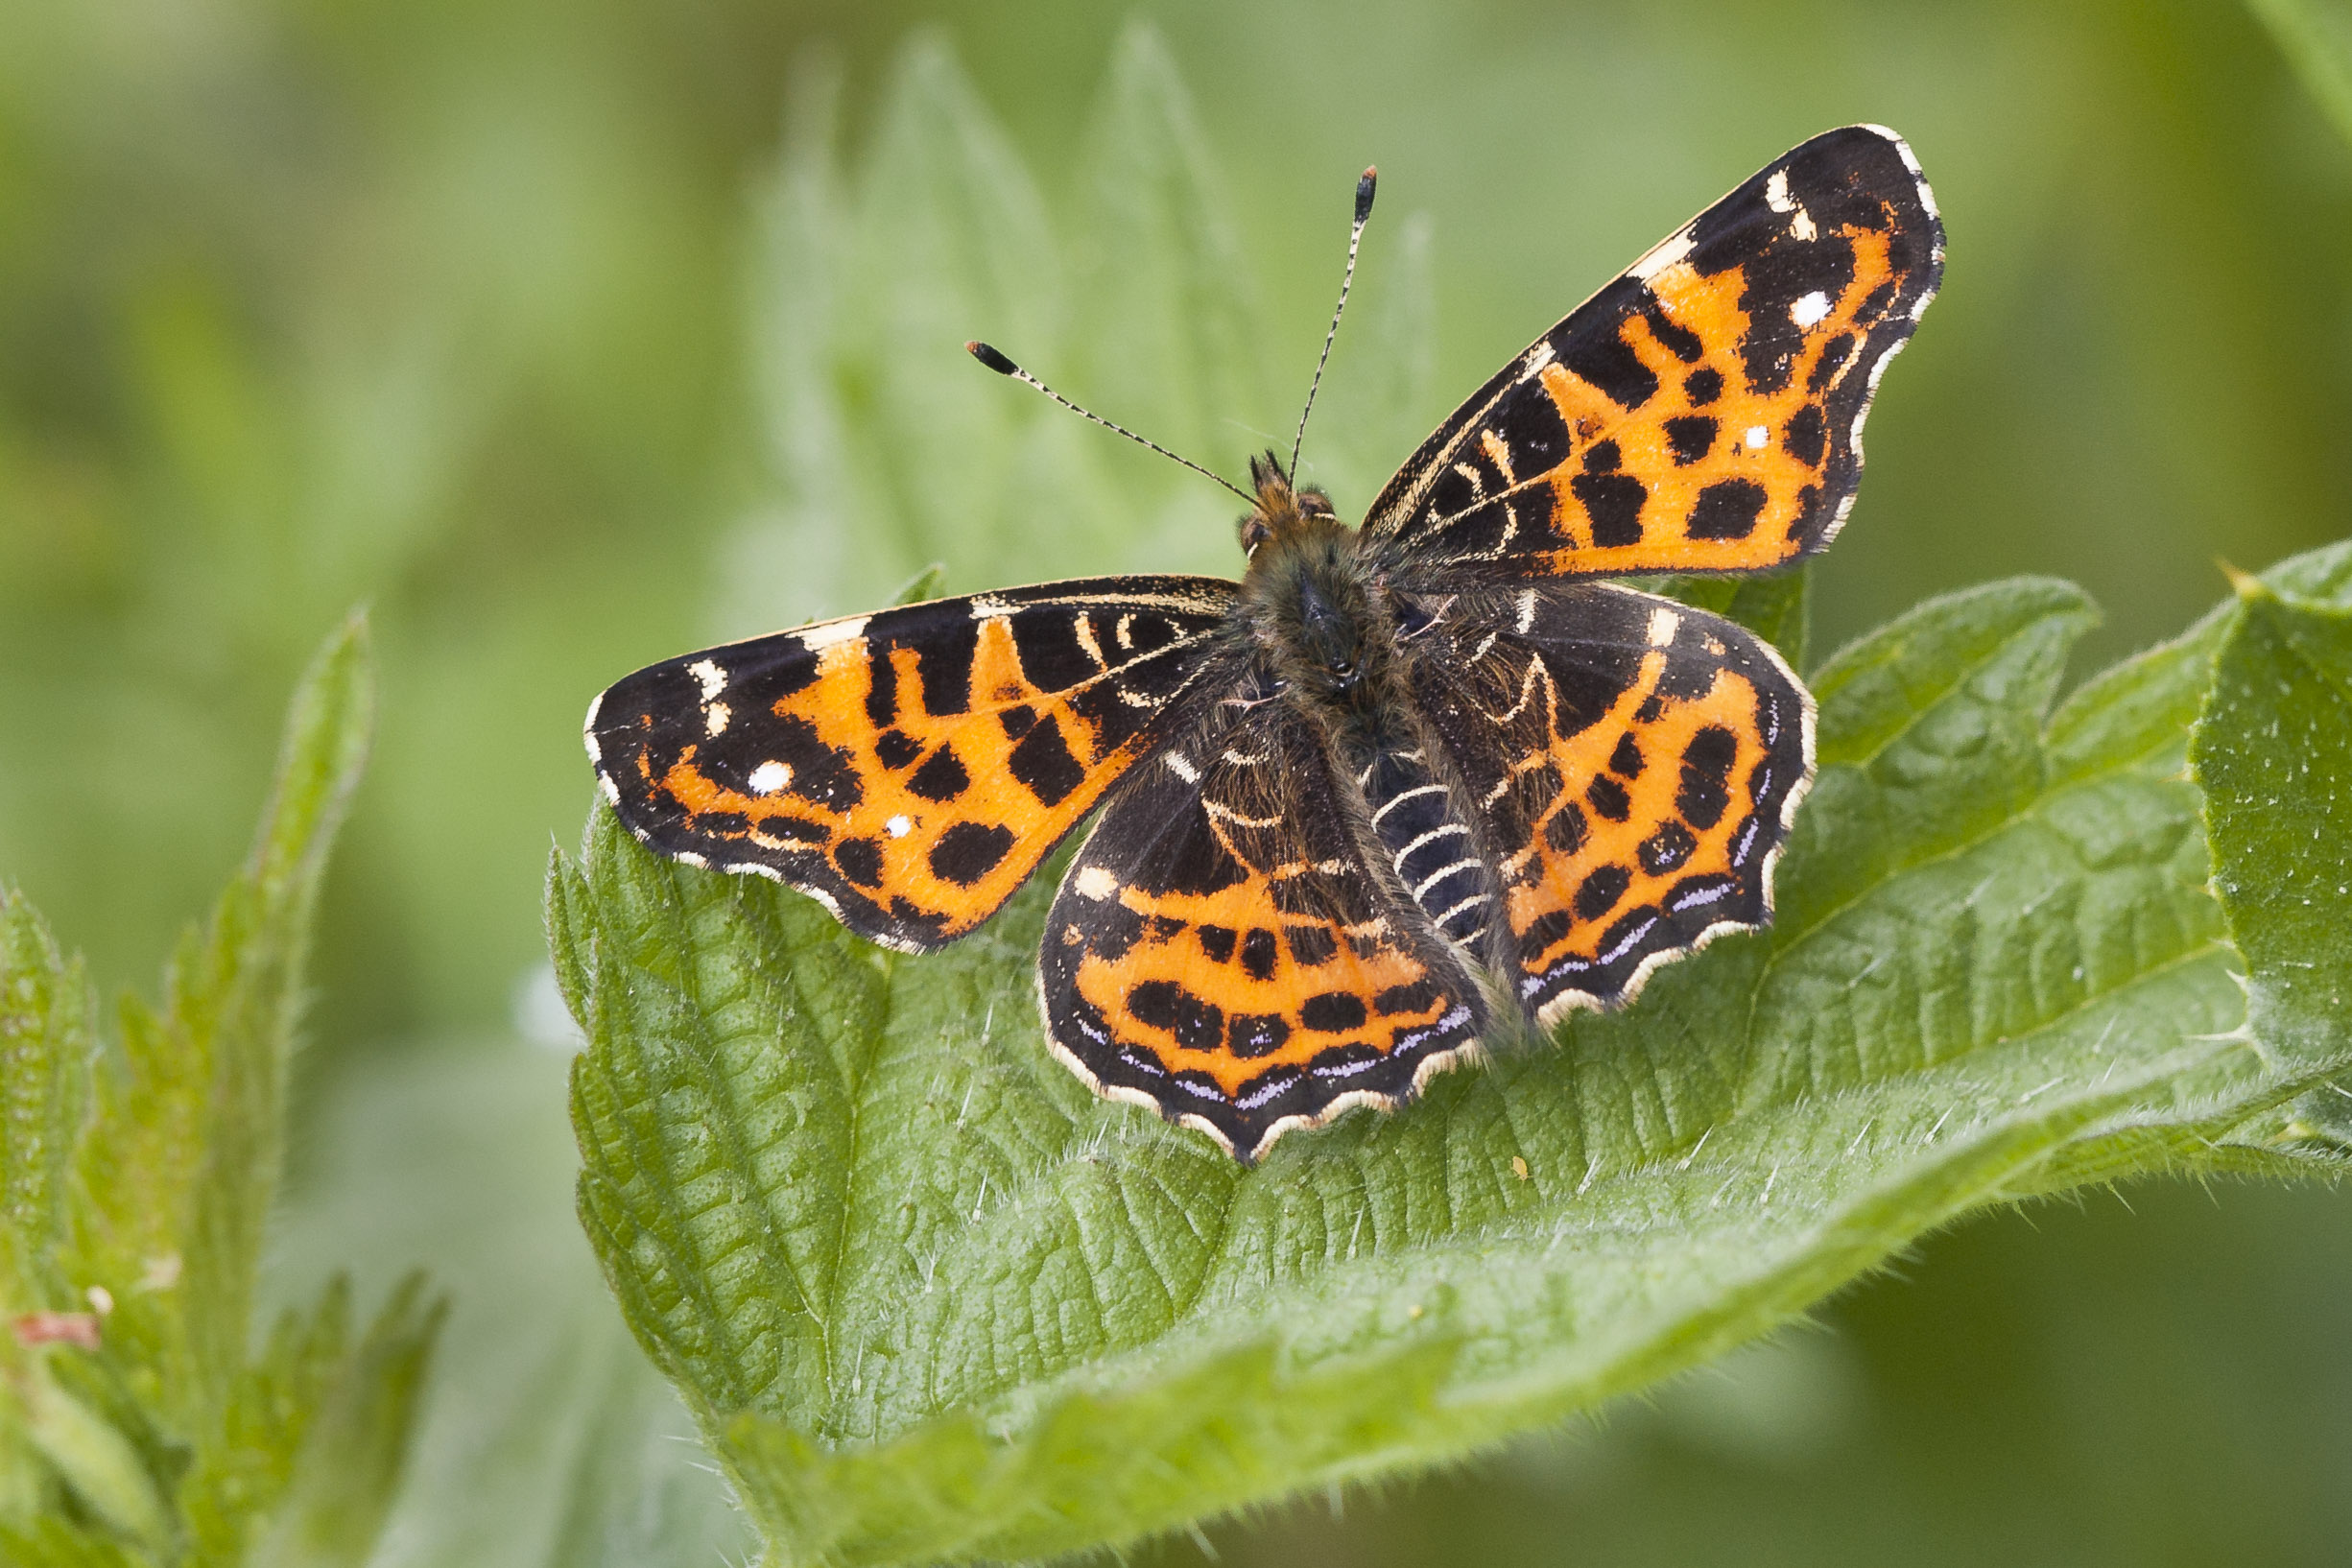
2244,584
924,584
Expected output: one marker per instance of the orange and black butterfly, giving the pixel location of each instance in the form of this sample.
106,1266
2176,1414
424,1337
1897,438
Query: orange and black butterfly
1402,785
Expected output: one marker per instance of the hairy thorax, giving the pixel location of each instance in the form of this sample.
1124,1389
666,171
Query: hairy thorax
1319,617
1333,637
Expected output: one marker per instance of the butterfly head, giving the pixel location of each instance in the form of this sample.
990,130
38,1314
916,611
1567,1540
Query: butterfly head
1312,604
1282,509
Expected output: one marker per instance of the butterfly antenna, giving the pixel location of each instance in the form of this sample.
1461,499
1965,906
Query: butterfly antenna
1002,366
1365,184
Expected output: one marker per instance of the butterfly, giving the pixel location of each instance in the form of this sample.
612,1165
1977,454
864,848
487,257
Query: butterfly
1402,787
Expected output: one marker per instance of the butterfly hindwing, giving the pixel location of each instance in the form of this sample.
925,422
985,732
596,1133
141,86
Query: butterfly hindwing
1638,763
1221,951
909,768
1704,412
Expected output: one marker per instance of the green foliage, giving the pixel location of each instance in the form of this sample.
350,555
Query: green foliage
135,1426
2273,753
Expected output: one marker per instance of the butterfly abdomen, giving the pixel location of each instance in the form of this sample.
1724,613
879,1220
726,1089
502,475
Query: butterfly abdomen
1427,843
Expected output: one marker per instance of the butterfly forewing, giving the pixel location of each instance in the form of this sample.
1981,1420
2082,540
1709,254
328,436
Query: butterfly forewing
1637,762
1704,412
909,768
1220,948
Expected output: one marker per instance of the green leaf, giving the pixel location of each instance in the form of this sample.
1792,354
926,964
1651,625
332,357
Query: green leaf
1778,608
355,1438
2273,752
179,1165
891,448
929,1299
47,1039
139,1186
93,1468
924,585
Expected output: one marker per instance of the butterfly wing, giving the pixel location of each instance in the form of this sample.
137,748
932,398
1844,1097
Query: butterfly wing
1702,413
1221,951
1637,764
911,768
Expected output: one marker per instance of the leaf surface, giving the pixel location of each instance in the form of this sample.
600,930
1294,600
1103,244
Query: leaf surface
2273,752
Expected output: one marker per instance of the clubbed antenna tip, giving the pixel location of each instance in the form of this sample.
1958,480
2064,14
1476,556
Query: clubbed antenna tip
990,358
1365,184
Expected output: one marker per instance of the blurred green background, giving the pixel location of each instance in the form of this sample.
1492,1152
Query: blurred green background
470,311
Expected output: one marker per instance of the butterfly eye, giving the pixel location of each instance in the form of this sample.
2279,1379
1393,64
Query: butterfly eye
1255,531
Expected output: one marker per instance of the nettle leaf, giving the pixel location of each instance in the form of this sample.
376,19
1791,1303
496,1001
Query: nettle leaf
2273,753
930,1299
48,1038
177,1169
135,1426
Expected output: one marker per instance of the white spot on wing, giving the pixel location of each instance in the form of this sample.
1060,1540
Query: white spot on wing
1527,610
715,717
1497,452
1181,766
1094,882
1757,436
898,827
770,777
1810,310
826,635
1776,197
1662,255
707,674
1663,624
1084,626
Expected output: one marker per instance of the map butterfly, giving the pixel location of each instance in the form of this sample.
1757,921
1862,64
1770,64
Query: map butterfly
1400,788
